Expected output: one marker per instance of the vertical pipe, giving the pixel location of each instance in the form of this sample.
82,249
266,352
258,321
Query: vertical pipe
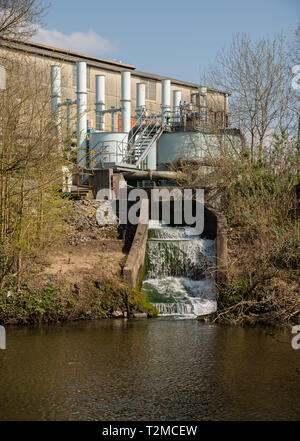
100,102
226,111
126,101
69,119
166,100
56,94
81,113
203,105
176,106
140,99
112,121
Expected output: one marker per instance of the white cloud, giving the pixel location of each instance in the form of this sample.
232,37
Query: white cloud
89,43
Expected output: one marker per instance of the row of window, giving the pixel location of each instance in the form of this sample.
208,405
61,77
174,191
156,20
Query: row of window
150,84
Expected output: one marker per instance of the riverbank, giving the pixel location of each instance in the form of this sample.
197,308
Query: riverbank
79,279
262,286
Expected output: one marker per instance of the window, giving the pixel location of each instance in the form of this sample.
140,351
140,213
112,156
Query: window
150,90
88,76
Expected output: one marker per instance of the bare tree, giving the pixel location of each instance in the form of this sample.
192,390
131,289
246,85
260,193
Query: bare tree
295,66
295,47
256,74
30,167
19,18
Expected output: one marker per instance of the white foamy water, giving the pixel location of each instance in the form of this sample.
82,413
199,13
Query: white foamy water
180,271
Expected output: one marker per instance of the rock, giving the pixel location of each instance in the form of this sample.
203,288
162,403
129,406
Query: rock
205,318
117,314
140,315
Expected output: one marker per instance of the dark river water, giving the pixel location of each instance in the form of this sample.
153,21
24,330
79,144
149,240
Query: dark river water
159,369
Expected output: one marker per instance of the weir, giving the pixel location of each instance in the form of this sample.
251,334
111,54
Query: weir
180,271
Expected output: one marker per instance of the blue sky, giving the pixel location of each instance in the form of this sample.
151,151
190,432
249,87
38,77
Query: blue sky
172,38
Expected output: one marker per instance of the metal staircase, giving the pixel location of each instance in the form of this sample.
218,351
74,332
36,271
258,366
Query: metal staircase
145,133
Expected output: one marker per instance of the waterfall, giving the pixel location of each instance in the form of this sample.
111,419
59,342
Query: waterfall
180,277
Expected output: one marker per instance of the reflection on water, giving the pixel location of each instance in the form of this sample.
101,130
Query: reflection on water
158,369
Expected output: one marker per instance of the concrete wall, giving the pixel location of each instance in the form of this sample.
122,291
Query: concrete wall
136,257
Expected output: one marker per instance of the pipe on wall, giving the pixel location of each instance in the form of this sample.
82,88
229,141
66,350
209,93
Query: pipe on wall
140,99
56,94
81,113
203,105
176,106
166,100
100,102
151,175
126,101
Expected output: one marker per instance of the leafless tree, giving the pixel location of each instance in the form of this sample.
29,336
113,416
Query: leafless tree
295,66
295,47
30,166
257,76
19,18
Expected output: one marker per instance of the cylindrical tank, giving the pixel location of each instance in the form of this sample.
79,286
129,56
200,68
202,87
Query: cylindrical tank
151,157
107,148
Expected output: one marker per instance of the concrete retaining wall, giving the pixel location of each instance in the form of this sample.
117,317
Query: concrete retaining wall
136,257
221,238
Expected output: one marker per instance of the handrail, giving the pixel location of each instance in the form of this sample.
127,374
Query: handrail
146,128
147,149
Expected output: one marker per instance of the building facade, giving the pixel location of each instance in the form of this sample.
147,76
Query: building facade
45,56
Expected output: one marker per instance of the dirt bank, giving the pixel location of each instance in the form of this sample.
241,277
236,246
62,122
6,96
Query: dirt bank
79,279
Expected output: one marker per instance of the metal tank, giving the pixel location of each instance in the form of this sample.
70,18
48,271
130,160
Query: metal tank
107,148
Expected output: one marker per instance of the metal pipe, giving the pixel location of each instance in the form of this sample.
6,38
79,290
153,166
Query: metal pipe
151,175
100,102
69,103
126,101
176,106
166,100
140,99
56,94
203,105
112,121
81,113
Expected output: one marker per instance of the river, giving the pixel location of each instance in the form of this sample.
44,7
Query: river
155,369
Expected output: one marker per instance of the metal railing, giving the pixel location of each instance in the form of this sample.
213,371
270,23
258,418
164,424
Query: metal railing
148,128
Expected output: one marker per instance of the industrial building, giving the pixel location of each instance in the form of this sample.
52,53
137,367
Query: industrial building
126,120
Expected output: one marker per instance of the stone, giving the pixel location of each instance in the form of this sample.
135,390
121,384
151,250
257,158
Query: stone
117,314
140,315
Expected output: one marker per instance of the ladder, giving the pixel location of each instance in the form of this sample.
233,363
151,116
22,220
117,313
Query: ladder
147,132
